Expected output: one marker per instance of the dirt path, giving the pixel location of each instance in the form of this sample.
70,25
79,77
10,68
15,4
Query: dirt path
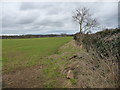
29,77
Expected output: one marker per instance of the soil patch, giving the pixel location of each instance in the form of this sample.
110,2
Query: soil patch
30,77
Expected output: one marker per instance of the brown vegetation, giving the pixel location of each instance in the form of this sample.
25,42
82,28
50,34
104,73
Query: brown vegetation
104,49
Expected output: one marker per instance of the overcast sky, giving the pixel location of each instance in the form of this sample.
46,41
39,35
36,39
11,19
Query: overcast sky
53,18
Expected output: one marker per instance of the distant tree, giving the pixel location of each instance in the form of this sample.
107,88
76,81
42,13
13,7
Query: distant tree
85,20
63,34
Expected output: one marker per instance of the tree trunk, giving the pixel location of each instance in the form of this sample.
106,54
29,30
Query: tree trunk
81,36
80,29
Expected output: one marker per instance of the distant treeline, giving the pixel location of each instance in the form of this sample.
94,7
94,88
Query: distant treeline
34,36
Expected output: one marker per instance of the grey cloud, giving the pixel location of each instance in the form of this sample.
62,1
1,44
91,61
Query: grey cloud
8,22
35,5
49,23
119,14
53,17
111,21
26,20
27,5
53,12
59,31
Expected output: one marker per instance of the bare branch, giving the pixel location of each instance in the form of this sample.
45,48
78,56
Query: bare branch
83,17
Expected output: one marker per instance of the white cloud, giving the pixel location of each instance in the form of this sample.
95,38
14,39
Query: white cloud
26,18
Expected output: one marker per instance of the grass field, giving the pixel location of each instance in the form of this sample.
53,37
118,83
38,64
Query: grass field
48,62
19,53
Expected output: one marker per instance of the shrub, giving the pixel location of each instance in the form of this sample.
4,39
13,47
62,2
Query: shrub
105,43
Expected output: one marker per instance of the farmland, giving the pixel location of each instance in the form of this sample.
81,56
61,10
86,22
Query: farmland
19,53
60,62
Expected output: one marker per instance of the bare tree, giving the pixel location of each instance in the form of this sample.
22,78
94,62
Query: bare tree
86,22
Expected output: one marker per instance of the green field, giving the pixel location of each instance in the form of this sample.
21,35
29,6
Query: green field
19,53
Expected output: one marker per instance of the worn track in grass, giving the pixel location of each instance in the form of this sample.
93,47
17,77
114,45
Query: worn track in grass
29,77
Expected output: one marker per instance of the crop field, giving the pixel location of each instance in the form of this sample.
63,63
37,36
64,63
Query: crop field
20,53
